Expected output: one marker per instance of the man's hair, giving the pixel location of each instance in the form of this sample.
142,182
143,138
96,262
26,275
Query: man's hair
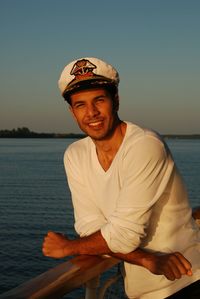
112,89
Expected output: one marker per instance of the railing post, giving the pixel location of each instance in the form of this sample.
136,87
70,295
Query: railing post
91,288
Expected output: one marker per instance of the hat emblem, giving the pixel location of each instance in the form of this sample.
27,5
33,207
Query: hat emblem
82,69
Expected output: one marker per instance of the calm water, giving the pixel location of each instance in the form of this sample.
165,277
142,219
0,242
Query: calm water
34,198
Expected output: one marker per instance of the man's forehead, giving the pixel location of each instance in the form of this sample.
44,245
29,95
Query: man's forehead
89,92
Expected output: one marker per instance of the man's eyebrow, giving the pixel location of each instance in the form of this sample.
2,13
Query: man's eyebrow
100,96
78,102
95,98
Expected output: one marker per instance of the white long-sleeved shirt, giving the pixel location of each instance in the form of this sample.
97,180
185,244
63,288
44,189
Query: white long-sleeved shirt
140,201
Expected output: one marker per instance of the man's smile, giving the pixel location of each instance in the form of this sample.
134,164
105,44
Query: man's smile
95,124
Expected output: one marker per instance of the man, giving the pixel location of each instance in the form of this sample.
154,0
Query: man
129,199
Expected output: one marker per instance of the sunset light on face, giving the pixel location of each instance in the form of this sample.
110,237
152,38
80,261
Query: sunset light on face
94,113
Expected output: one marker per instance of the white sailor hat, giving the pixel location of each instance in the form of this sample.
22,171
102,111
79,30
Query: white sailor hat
88,71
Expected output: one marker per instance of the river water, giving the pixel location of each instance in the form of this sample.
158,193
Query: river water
34,198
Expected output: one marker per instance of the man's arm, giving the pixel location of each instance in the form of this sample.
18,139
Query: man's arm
172,265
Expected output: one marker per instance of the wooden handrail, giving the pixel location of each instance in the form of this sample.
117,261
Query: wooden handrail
62,279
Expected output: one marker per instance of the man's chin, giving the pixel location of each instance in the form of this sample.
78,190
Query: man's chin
97,137
100,136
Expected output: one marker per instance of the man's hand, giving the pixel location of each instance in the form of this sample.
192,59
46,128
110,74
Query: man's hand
56,245
172,265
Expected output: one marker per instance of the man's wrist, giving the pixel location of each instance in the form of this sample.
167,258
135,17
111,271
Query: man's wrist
149,260
71,248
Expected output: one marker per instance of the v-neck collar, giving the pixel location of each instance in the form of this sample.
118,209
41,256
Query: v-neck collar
95,159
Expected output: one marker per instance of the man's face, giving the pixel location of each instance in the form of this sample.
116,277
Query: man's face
94,112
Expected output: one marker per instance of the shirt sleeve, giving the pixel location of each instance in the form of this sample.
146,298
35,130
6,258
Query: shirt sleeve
146,171
88,218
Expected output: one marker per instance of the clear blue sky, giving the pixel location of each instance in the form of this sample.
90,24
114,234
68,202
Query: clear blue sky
155,46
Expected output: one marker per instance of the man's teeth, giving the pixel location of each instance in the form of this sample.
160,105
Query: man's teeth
95,123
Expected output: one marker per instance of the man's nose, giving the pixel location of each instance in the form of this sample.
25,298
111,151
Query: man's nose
92,110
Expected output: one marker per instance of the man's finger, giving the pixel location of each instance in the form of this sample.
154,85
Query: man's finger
185,263
169,274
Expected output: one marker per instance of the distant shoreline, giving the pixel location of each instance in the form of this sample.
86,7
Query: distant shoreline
181,136
26,133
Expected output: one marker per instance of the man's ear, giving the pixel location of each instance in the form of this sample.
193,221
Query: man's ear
116,103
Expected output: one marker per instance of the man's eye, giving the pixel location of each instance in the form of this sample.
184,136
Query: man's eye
100,100
79,105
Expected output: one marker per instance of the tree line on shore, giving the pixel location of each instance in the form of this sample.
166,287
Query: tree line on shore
26,133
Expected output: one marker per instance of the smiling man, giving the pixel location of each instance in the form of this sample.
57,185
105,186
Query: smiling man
95,113
129,199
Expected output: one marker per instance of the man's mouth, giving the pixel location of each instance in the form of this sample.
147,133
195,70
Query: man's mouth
95,124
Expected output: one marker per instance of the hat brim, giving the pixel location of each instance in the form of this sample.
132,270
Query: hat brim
87,83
